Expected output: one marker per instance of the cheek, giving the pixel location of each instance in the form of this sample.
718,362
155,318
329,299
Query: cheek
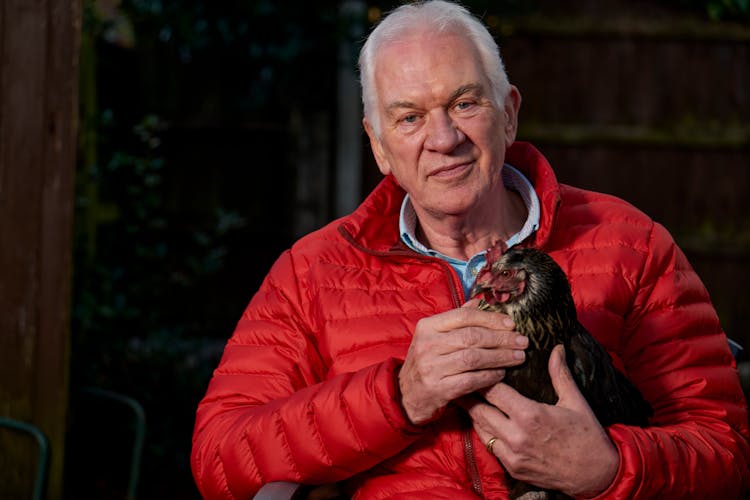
403,157
486,135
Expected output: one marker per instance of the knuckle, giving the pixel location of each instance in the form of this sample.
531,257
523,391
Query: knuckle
470,382
511,464
470,336
509,338
511,356
464,314
470,357
516,465
421,327
498,375
528,415
494,375
516,443
462,387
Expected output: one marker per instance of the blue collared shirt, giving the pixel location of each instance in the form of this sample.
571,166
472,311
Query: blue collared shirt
467,270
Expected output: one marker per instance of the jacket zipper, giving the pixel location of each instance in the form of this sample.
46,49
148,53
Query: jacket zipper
469,456
471,462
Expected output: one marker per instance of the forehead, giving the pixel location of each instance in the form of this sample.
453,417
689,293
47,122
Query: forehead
426,65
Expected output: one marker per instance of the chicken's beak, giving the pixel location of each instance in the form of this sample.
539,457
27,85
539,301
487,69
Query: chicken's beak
477,290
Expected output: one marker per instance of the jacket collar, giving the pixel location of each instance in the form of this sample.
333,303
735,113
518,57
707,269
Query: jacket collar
537,169
374,224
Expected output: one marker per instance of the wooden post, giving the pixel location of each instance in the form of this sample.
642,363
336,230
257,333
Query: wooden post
39,41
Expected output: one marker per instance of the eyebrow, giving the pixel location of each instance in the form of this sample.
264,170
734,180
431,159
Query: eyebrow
466,89
462,90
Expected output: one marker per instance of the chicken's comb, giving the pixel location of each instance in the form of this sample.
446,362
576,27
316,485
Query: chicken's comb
496,251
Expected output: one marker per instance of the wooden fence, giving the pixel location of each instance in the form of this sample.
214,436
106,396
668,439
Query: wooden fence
38,113
656,110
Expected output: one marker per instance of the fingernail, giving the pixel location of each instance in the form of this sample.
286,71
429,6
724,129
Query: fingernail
508,322
522,341
519,354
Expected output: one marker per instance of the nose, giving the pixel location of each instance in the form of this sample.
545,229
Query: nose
443,134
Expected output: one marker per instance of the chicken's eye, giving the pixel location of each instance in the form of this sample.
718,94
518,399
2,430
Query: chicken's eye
505,273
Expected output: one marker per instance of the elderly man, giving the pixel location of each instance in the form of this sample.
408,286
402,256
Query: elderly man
352,361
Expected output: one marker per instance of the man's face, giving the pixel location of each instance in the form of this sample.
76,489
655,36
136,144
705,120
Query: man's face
441,136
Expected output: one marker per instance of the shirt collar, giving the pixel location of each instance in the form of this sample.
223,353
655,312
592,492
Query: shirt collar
513,179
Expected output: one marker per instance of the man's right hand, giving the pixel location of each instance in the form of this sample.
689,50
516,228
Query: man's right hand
456,353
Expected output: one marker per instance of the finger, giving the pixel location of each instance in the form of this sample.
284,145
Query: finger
508,400
488,423
452,364
470,316
488,420
557,365
487,415
458,354
471,304
466,359
483,338
562,380
455,386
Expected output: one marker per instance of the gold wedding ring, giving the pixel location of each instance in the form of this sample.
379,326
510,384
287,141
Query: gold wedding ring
490,443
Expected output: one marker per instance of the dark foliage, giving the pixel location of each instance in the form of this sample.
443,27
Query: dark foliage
718,10
183,203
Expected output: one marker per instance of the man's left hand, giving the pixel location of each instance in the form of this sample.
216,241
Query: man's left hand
560,447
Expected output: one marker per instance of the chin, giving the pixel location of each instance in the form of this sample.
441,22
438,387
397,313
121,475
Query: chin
452,209
459,202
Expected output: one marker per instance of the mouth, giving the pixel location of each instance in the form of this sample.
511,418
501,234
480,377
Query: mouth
452,170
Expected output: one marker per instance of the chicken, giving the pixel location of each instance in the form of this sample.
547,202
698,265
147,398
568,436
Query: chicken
530,287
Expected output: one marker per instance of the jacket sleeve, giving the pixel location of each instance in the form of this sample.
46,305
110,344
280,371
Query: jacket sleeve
676,352
269,413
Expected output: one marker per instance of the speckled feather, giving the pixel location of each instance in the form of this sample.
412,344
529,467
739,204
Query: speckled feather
531,288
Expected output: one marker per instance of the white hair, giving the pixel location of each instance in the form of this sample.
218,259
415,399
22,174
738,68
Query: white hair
435,16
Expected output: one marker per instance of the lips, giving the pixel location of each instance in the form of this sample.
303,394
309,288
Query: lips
451,170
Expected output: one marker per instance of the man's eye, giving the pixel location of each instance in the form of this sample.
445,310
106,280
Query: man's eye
409,119
463,105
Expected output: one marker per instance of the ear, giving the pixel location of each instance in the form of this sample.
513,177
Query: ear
377,149
510,110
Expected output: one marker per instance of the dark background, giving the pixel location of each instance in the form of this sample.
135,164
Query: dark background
199,118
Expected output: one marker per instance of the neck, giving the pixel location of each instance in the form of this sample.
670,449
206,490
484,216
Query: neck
461,236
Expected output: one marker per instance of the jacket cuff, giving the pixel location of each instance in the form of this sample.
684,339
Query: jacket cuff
625,477
390,400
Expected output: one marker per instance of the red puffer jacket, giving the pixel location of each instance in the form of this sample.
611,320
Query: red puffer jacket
307,388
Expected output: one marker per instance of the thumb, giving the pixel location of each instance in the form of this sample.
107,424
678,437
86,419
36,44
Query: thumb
562,380
471,303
